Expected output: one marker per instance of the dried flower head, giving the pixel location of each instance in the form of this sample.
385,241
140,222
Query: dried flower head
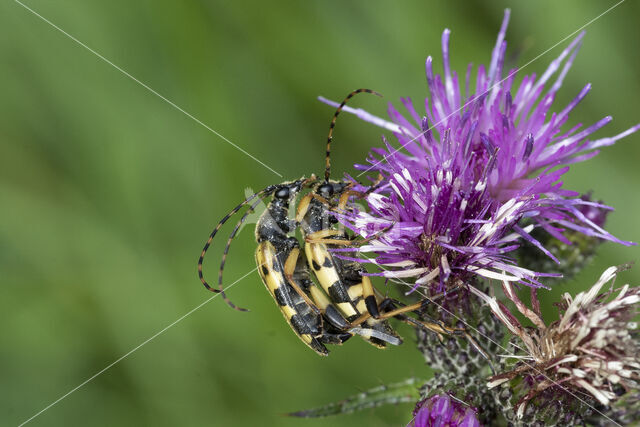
471,168
442,410
591,348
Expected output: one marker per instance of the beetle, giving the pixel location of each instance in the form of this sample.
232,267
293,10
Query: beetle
284,270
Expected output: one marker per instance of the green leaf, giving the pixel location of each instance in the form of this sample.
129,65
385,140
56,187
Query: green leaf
402,392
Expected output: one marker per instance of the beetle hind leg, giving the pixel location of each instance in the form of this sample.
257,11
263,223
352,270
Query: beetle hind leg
289,272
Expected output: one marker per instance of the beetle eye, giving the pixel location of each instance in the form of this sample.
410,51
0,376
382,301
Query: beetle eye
325,190
282,193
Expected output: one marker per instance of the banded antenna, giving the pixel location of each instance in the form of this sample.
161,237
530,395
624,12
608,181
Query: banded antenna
327,170
260,194
226,252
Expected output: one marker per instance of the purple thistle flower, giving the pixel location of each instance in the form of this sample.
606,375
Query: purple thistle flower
441,410
475,165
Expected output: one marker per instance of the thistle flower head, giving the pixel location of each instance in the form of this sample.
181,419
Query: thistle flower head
590,349
474,164
442,225
442,410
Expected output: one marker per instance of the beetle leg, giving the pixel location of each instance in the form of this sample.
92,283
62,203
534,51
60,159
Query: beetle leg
303,207
289,269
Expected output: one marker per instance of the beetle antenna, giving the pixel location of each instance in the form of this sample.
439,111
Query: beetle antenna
226,252
262,193
327,170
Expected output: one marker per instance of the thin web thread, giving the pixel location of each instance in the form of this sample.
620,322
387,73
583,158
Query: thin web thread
106,368
148,88
508,354
490,88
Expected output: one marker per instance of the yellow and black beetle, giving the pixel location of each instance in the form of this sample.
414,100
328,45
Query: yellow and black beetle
283,267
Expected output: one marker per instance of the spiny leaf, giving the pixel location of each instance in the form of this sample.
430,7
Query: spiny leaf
402,392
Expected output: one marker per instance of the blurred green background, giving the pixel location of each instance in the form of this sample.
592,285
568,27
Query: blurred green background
108,193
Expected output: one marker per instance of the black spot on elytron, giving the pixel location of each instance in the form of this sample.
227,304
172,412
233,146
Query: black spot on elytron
280,296
315,265
300,326
327,262
337,293
265,270
304,309
312,321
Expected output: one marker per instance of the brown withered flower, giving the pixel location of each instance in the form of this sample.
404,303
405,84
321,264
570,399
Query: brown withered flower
591,347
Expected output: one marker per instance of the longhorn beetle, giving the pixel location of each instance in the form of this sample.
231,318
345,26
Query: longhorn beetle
285,273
